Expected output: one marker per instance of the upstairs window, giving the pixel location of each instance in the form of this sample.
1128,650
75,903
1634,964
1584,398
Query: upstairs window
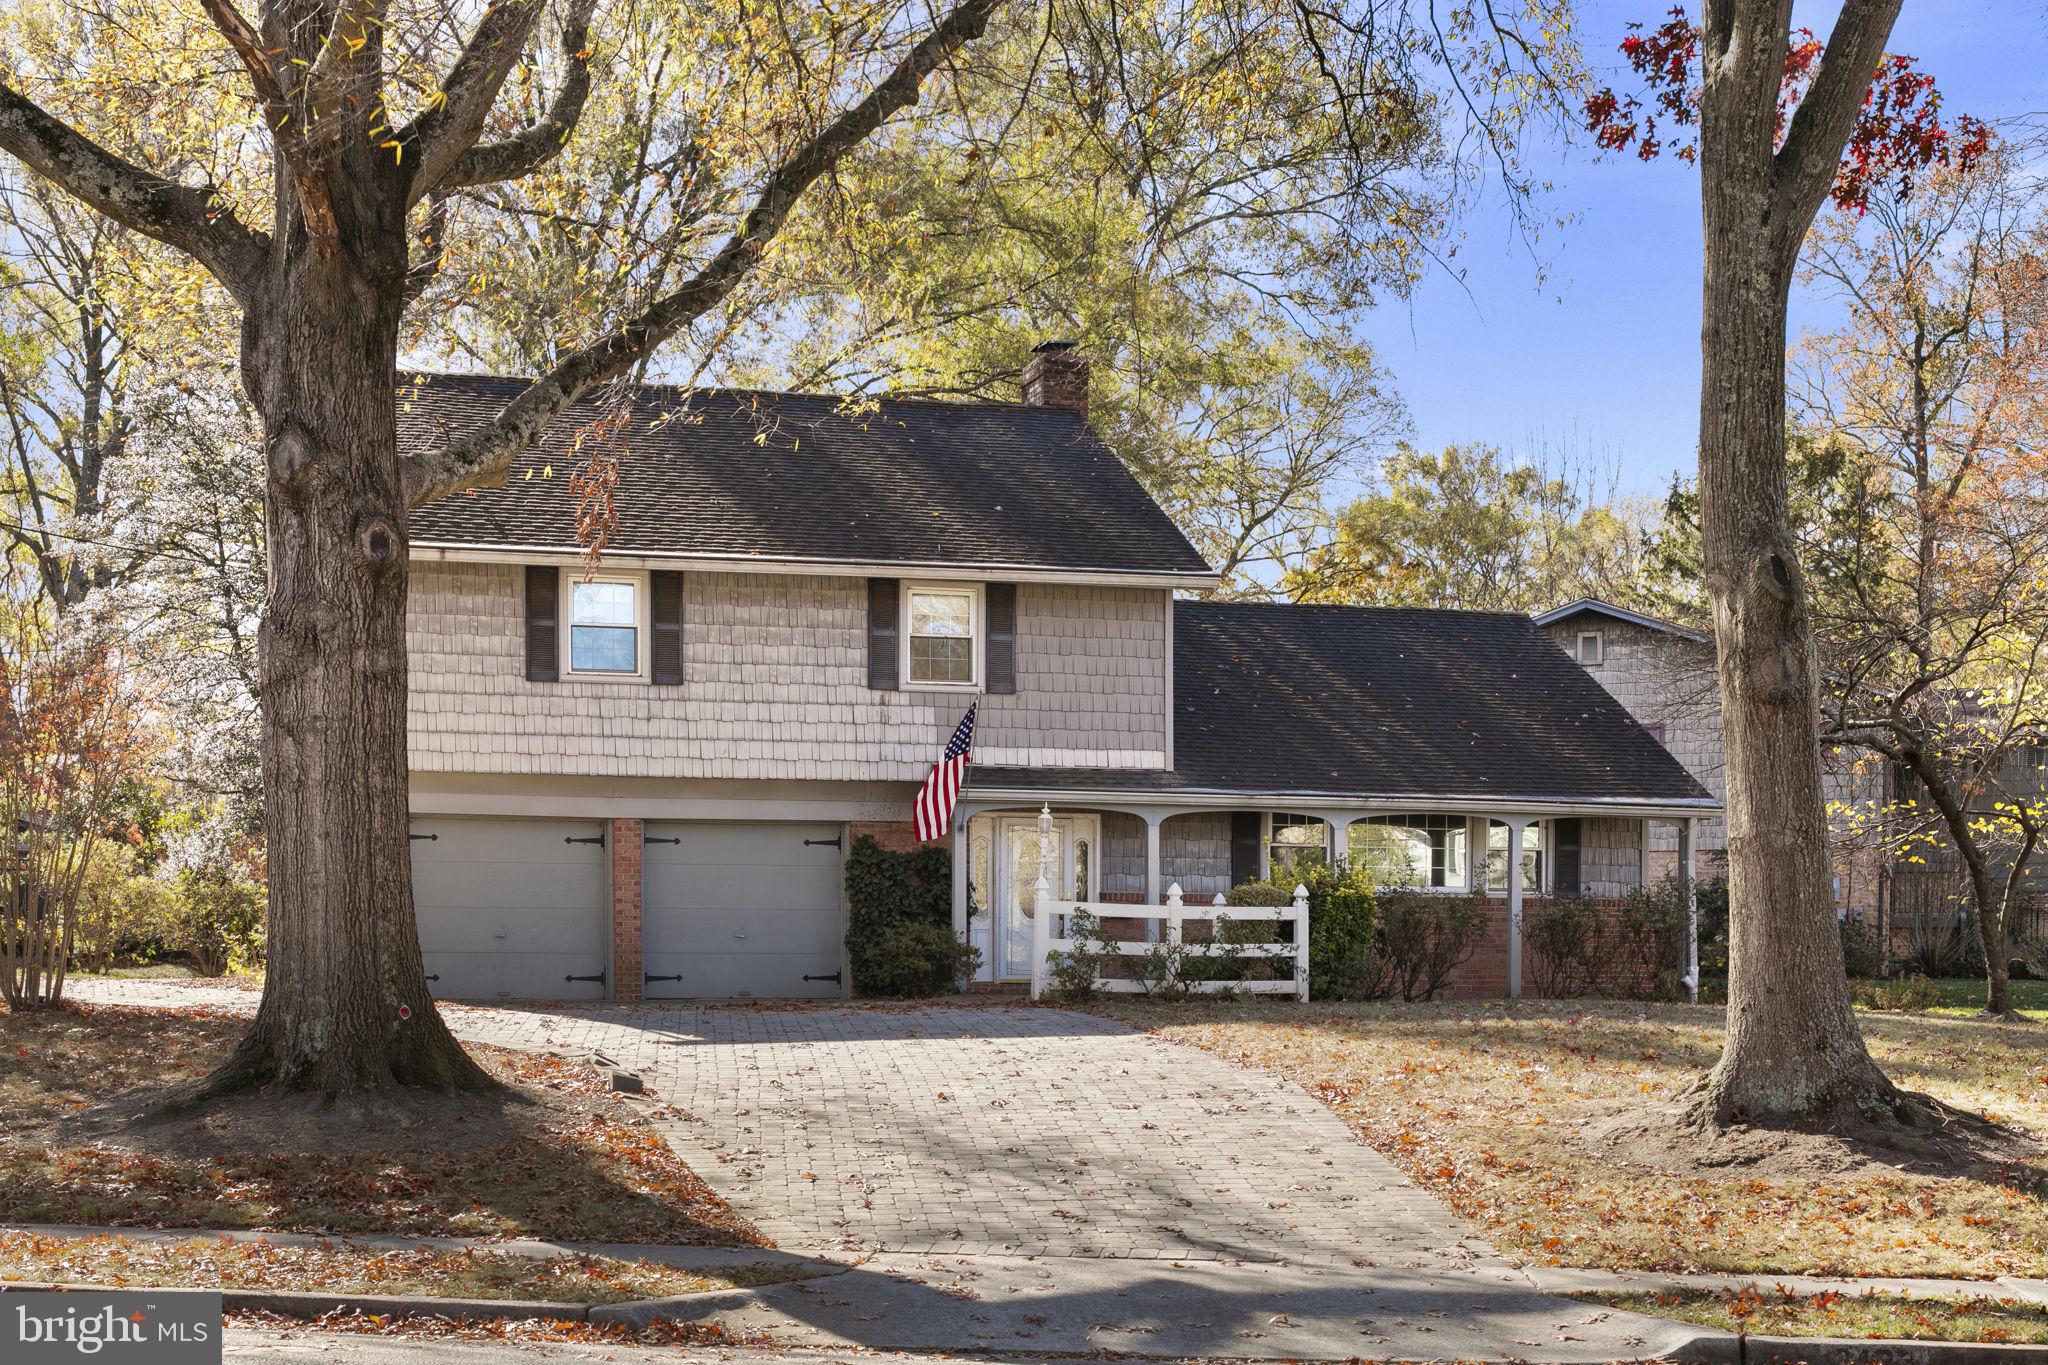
940,644
1592,648
605,621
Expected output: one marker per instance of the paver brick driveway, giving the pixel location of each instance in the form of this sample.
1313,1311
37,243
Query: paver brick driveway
1045,1131
955,1128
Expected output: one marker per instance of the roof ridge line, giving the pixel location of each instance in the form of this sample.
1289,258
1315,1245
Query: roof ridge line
1000,404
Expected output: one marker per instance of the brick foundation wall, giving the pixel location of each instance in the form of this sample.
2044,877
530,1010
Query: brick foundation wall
1484,975
628,969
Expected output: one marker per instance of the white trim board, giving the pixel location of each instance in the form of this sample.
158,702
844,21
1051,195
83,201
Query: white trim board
427,551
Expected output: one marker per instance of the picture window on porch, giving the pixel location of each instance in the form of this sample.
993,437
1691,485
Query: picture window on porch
1412,850
1296,841
1531,859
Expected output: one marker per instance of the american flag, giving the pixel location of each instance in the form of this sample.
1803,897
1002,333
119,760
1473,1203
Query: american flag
935,799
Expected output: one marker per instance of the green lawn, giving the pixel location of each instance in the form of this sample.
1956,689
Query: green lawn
1967,997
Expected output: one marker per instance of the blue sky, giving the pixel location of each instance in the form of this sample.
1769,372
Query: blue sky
1587,345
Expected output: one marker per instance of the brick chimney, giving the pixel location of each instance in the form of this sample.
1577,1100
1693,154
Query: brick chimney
1057,377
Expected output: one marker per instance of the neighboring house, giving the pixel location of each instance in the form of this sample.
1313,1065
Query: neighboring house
1664,675
641,779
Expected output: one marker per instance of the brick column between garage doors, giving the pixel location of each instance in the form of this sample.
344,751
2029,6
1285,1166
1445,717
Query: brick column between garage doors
627,964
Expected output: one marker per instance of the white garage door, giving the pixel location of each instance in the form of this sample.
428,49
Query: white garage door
748,911
512,909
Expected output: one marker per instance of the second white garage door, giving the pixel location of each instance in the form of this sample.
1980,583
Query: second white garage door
742,911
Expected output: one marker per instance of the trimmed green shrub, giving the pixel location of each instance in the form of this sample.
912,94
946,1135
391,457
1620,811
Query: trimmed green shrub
914,957
899,922
1340,922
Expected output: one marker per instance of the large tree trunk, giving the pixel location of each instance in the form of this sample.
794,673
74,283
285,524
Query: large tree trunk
345,1002
1792,1051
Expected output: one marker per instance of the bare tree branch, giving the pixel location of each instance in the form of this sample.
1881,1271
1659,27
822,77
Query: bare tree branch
192,220
1805,165
439,137
483,459
531,148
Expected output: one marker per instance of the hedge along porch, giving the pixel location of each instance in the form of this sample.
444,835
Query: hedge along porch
1131,853
1424,743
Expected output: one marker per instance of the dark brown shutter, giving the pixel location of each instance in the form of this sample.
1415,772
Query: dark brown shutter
883,613
1244,846
665,651
1002,638
543,634
1564,842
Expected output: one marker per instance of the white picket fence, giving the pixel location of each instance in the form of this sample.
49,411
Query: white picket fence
1045,942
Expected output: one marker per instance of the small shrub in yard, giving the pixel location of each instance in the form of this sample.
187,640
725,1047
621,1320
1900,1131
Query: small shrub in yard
1340,923
899,923
915,957
1071,975
1647,935
1420,939
1902,994
217,918
1564,947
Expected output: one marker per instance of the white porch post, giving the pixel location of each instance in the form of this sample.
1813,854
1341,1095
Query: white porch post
1340,835
1515,828
1692,910
1153,820
960,875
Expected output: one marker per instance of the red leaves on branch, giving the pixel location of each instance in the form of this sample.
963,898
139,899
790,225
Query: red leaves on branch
1898,133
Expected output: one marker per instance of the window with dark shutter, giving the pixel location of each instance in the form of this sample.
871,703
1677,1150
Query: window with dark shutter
883,606
1564,842
665,651
543,637
1002,638
1244,846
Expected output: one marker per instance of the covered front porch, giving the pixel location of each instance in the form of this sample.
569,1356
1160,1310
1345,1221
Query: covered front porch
1130,848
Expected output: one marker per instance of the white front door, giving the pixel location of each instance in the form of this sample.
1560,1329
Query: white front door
1071,858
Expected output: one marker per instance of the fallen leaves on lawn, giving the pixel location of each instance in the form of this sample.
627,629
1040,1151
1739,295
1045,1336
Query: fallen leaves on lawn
661,1332
578,1164
1482,1104
342,1267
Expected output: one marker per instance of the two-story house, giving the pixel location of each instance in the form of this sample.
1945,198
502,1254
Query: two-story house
639,777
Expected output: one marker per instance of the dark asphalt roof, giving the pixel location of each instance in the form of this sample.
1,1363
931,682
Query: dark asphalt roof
725,472
1385,702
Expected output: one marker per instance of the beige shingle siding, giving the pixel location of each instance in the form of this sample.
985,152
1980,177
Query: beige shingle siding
1194,850
1091,681
1610,855
1669,680
776,686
